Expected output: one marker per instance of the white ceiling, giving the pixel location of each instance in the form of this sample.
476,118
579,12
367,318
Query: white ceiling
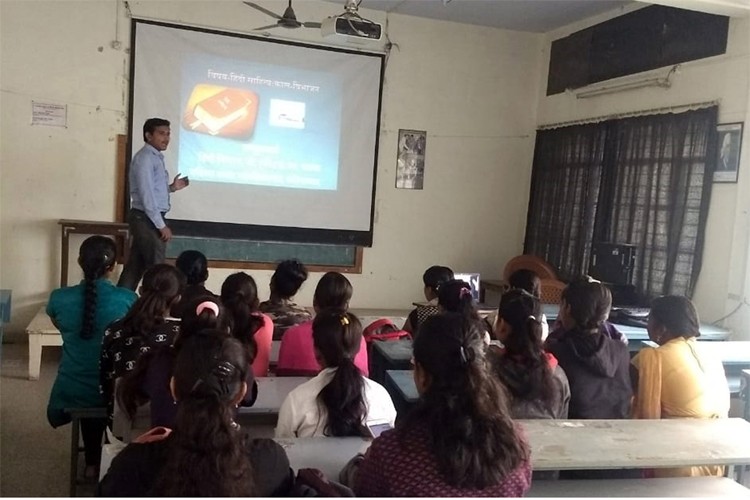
539,16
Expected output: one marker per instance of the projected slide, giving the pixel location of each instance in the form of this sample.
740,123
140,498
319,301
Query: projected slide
279,139
259,124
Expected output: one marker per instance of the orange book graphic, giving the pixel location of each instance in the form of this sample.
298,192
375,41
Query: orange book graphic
222,111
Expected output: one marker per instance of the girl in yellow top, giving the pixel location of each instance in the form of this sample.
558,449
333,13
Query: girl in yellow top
678,379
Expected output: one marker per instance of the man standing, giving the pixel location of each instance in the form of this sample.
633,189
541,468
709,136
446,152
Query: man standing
149,203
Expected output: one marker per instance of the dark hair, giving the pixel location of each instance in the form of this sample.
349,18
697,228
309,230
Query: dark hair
96,256
162,284
464,409
528,280
149,126
677,315
524,347
589,301
435,276
455,296
207,454
337,336
193,265
239,294
130,394
333,292
288,278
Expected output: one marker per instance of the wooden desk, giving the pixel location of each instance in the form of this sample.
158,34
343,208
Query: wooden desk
700,487
42,333
367,316
389,355
630,444
119,230
271,394
330,455
400,385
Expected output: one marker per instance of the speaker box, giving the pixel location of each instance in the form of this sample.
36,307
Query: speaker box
613,263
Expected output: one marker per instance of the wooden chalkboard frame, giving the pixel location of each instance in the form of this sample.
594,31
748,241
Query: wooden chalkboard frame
121,203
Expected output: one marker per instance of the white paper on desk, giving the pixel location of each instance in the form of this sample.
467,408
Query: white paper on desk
51,115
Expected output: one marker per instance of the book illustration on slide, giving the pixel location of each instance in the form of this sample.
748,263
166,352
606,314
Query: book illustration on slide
221,111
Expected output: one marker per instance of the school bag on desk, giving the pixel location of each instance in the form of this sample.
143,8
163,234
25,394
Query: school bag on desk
383,329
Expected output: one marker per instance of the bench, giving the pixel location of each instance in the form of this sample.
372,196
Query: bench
42,333
705,487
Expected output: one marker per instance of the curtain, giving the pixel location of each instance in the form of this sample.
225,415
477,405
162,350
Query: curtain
565,183
653,176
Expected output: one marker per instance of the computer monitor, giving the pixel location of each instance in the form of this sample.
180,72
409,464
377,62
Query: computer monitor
473,280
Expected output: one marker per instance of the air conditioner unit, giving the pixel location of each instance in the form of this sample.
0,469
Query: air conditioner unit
350,28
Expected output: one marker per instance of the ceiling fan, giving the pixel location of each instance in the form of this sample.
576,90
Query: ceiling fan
287,20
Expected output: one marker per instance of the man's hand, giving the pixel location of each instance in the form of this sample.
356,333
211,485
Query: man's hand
179,183
166,233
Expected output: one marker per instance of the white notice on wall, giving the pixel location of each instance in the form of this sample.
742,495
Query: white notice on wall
52,115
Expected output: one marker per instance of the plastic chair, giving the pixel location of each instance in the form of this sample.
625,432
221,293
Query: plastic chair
531,262
551,291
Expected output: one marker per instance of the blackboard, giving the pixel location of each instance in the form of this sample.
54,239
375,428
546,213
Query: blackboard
265,254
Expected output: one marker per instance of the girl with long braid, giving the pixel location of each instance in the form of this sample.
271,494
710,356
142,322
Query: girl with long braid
146,326
459,440
81,313
537,385
205,453
339,401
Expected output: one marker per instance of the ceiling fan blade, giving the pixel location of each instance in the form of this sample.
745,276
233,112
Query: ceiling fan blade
311,25
262,9
263,28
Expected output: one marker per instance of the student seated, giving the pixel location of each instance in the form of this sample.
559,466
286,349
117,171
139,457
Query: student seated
537,386
146,326
526,279
678,379
206,453
597,366
432,278
296,353
148,382
459,440
339,401
606,328
455,296
194,265
285,283
239,294
81,313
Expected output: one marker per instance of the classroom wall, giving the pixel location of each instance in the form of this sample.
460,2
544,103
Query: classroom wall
726,78
473,89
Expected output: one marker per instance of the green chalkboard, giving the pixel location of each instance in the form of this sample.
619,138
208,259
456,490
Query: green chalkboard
269,252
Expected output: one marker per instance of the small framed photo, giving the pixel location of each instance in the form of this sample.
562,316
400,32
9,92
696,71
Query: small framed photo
410,159
728,152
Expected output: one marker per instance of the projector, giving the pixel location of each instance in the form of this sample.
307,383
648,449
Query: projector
351,28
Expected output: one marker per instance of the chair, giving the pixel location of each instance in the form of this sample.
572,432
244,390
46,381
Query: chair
552,290
531,262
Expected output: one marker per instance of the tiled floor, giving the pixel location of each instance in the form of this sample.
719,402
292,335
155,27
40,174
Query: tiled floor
33,456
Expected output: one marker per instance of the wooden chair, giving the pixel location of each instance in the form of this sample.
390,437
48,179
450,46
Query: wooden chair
552,290
531,262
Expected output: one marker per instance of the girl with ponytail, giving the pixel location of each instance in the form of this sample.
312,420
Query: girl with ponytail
146,326
205,453
81,313
459,440
339,401
253,329
455,296
537,386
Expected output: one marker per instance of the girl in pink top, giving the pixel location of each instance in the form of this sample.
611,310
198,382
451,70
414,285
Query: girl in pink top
239,294
297,354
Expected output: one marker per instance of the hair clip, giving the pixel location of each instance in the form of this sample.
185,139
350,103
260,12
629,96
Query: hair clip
344,320
532,317
464,291
464,359
211,306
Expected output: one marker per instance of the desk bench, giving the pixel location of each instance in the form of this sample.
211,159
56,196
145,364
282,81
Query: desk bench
705,487
42,333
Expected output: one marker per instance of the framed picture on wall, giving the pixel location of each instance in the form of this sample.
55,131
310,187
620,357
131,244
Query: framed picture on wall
728,152
410,159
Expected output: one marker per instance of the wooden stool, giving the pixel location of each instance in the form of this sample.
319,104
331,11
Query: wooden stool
78,414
